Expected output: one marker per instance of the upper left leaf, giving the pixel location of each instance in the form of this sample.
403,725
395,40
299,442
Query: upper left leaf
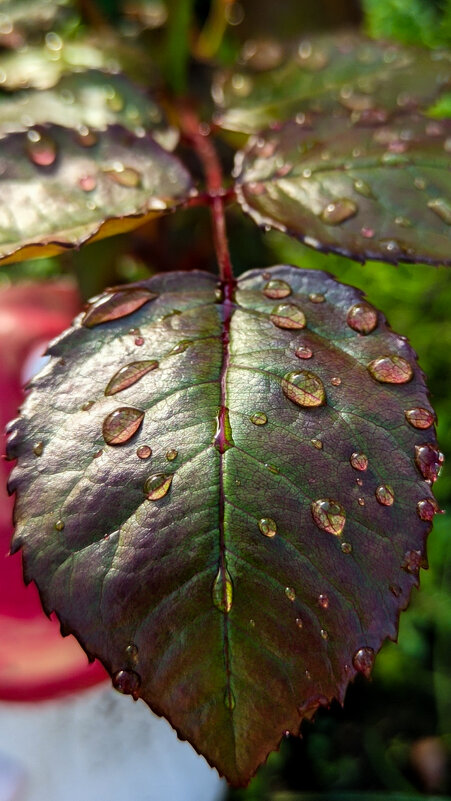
59,188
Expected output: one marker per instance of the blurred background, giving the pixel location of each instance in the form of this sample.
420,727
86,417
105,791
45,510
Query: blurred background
392,740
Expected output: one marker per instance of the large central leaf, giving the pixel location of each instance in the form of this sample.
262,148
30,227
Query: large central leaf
224,493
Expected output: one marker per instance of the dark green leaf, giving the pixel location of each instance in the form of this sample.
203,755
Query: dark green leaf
377,192
60,188
345,74
237,552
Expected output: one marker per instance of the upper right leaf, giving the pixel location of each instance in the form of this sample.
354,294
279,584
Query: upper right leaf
368,192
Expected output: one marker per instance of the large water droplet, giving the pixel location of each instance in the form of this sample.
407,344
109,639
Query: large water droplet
391,370
259,419
303,352
363,661
277,289
339,211
267,526
38,448
129,375
287,315
317,443
59,525
127,682
222,591
290,593
362,318
419,417
359,461
442,208
144,451
124,176
113,306
429,461
120,425
157,486
385,495
223,439
171,454
329,516
41,149
304,388
426,509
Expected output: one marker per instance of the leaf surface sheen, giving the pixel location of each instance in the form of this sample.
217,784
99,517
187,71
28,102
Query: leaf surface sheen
368,192
240,555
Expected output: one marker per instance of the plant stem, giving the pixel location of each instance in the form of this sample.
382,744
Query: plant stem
216,194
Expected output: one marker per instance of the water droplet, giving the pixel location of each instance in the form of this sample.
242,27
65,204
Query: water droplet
132,653
38,448
157,486
317,443
87,182
119,426
259,419
139,341
113,306
429,461
413,560
144,451
303,352
290,593
304,388
339,211
359,482
129,375
329,516
277,289
323,601
335,381
367,233
359,461
426,509
403,222
59,525
396,590
363,661
346,547
361,501
324,634
223,439
85,137
420,183
299,622
267,526
442,208
229,699
362,318
222,591
41,149
391,370
124,176
385,495
127,682
180,347
363,188
419,417
316,297
87,406
287,315
171,454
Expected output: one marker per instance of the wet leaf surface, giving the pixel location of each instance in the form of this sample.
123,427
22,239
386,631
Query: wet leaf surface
60,188
237,553
345,74
369,192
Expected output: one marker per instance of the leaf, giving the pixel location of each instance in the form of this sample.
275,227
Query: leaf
229,562
377,192
60,188
92,98
345,74
22,17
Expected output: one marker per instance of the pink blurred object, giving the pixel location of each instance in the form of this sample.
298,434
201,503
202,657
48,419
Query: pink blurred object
36,663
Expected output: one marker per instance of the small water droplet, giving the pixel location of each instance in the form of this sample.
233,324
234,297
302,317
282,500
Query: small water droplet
259,419
359,461
308,675
361,501
38,448
363,661
419,417
41,149
346,547
229,699
324,634
85,137
391,370
180,347
299,622
413,560
222,591
303,352
396,590
272,468
426,509
287,315
114,305
420,183
157,486
267,526
403,222
367,233
277,289
323,601
363,188
59,525
119,426
385,495
362,318
335,381
304,388
127,682
124,176
339,211
442,208
171,454
129,375
316,297
290,593
329,516
87,182
87,406
139,341
317,443
429,461
359,482
132,652
144,451
252,623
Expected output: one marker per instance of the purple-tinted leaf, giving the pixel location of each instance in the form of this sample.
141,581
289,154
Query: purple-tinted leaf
235,553
59,188
377,192
345,74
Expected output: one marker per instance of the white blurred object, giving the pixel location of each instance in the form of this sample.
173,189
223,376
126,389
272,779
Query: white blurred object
99,746
12,780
